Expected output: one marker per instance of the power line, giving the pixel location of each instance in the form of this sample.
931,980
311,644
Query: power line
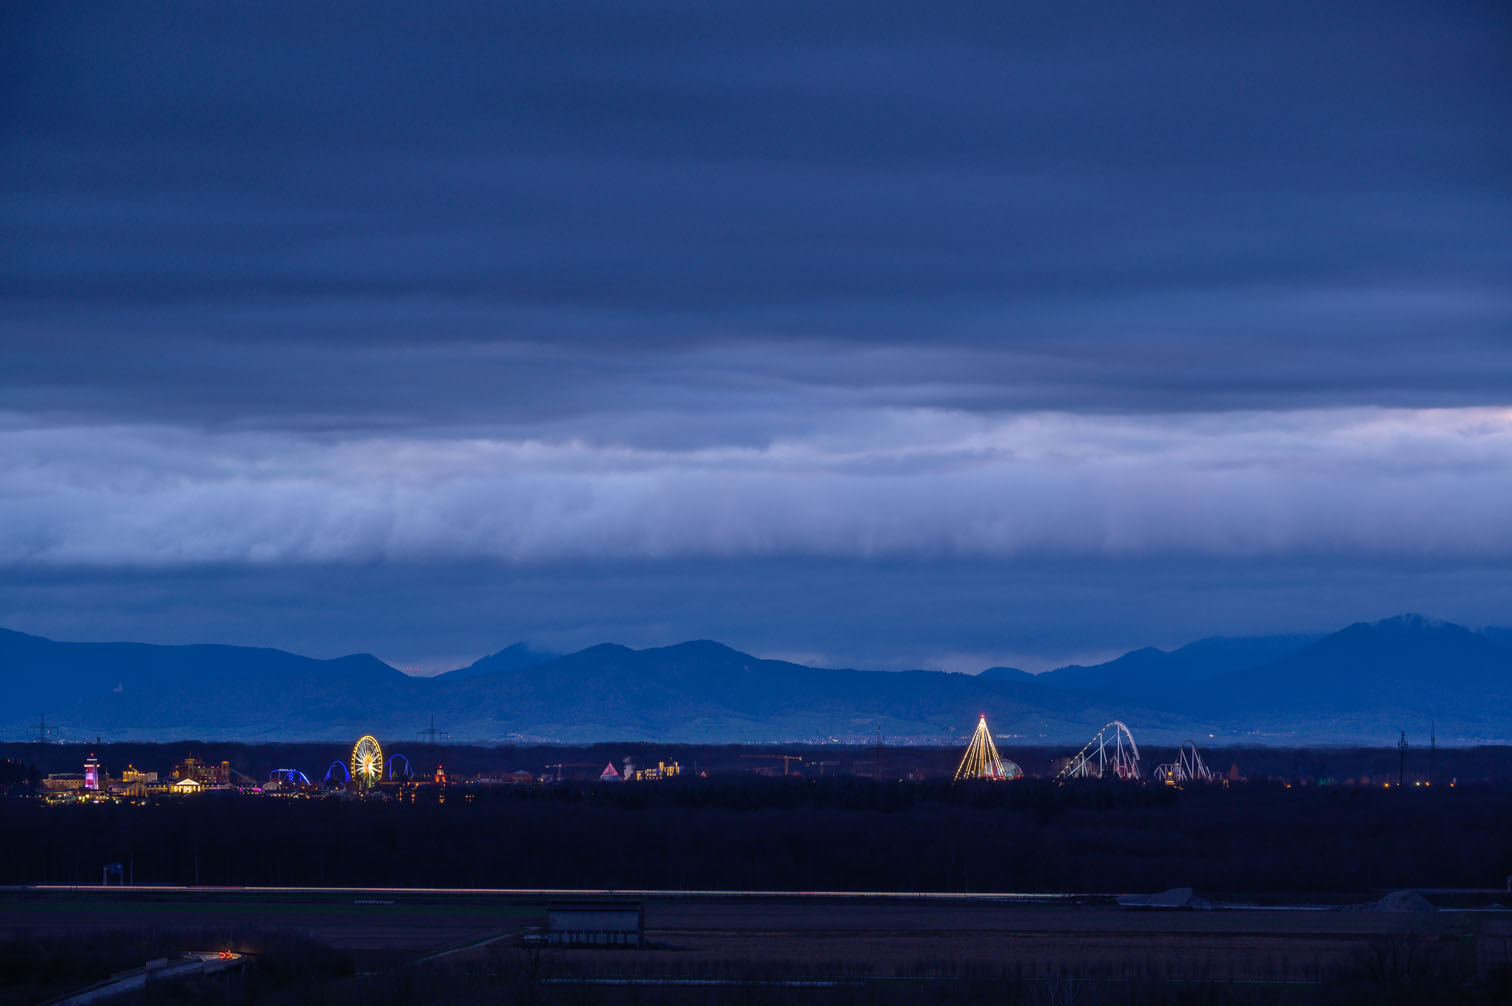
431,734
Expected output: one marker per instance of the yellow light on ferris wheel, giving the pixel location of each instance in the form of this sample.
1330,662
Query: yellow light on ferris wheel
367,762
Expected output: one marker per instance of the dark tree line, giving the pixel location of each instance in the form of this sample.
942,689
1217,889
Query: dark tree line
777,834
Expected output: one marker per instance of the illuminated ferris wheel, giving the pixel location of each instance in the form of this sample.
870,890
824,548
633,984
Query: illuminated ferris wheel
367,762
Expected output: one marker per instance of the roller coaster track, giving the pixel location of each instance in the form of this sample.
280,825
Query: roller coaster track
1188,767
1111,750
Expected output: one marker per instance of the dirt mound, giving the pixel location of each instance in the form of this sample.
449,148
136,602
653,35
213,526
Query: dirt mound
1397,901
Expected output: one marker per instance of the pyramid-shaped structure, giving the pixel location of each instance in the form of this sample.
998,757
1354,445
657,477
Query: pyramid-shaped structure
981,760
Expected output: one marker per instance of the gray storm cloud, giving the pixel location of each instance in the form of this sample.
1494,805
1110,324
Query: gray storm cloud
877,329
911,483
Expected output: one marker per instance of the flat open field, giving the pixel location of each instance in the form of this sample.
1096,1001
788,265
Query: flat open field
802,936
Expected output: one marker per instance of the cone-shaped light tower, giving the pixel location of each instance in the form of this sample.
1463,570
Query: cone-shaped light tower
981,760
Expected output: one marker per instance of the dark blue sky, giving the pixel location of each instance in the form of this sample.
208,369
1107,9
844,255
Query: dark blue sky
868,333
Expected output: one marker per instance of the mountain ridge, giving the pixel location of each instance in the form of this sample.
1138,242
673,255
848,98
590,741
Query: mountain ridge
511,658
1361,681
1373,669
1204,658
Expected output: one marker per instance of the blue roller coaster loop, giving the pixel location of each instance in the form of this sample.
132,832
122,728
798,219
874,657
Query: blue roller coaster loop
345,772
289,775
388,766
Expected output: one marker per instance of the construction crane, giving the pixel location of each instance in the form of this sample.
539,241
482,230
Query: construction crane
785,759
571,764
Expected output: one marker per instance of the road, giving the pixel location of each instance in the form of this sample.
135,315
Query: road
191,966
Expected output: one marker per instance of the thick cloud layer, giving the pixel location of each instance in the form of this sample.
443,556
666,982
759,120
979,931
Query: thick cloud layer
505,214
1207,287
886,485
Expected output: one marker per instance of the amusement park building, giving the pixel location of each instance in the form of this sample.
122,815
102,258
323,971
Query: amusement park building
202,772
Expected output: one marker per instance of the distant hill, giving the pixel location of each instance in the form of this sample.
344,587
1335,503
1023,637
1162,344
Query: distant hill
706,691
693,692
143,691
1007,674
1374,678
511,658
1139,670
1500,636
1361,684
